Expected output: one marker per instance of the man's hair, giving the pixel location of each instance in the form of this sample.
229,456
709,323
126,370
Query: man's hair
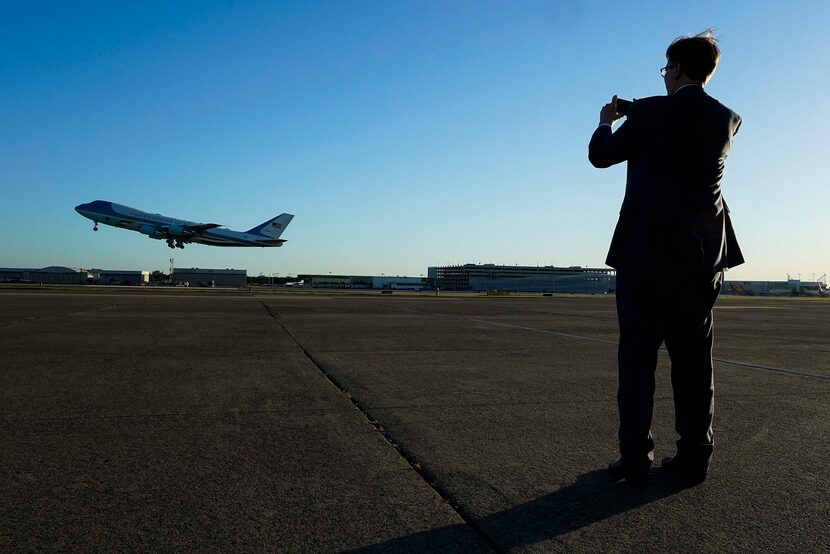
696,55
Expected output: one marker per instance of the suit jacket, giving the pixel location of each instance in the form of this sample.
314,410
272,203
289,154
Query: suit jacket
673,213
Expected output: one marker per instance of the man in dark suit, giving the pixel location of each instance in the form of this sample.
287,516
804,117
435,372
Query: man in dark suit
672,242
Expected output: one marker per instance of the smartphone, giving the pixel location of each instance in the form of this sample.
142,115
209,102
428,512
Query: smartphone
623,106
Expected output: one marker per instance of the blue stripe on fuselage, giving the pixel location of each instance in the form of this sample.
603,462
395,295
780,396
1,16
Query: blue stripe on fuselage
118,211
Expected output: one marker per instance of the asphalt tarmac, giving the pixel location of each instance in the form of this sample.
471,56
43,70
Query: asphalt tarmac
391,423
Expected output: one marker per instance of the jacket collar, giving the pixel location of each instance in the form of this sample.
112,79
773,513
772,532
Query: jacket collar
690,89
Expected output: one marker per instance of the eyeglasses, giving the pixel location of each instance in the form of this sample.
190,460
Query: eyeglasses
663,70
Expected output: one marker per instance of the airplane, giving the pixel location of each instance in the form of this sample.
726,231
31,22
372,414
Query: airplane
177,232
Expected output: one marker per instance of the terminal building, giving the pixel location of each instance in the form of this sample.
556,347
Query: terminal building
196,277
523,278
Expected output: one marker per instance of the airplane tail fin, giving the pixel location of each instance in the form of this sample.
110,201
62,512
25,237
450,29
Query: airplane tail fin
272,228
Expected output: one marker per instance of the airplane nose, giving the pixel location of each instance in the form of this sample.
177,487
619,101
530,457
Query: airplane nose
80,207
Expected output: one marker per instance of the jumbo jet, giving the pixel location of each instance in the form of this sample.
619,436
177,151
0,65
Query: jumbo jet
177,232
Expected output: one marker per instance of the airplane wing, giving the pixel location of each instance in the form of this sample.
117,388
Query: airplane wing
184,232
203,227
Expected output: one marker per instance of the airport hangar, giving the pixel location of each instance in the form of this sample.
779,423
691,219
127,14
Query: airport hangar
79,276
55,274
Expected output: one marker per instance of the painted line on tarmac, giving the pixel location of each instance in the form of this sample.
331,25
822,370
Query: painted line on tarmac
786,370
775,369
557,333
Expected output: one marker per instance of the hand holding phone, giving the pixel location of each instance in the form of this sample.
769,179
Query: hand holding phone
623,106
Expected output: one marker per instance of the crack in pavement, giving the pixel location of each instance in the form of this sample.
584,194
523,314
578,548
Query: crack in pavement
429,478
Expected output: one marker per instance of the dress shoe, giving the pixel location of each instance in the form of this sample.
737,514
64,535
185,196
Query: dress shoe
630,472
678,465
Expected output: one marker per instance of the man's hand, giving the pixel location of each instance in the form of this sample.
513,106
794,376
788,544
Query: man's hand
608,114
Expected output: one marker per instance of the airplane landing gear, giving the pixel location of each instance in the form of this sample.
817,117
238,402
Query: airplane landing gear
179,244
170,243
95,227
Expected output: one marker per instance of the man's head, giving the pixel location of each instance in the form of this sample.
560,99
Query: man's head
691,60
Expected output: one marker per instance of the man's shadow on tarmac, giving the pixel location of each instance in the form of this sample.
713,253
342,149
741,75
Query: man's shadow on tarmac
593,497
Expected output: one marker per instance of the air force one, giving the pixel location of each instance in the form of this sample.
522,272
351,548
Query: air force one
177,232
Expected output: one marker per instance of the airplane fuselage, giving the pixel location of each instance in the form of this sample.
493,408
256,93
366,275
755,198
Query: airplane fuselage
180,231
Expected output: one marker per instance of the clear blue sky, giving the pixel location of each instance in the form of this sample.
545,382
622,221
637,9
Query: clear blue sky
401,134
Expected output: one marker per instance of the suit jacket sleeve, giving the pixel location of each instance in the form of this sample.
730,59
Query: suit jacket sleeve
608,148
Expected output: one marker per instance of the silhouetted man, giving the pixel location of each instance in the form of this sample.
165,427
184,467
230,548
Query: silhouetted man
672,242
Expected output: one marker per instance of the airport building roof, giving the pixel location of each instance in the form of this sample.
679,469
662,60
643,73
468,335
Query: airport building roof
48,269
119,271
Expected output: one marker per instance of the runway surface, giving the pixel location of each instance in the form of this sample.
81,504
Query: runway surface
391,423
